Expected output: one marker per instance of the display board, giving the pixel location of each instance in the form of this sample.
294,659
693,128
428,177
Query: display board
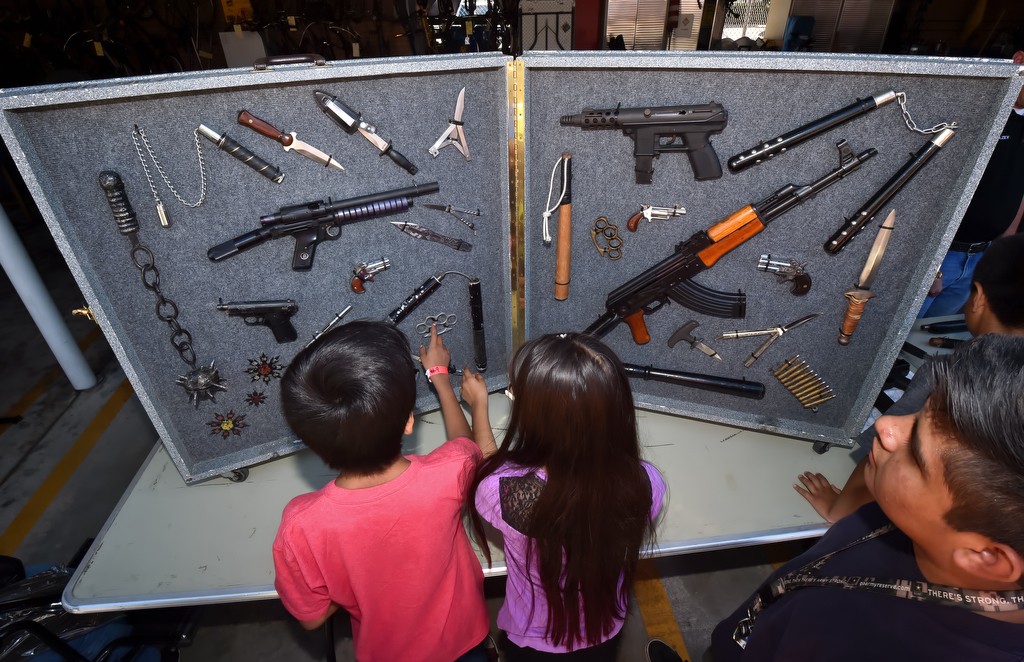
764,95
63,137
511,118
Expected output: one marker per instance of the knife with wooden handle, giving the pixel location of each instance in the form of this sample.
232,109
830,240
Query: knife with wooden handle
289,141
861,294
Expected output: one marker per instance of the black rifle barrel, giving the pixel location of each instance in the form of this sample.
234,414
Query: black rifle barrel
769,148
728,385
863,216
791,195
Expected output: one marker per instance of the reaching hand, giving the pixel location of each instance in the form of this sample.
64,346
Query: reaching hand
435,353
820,493
474,388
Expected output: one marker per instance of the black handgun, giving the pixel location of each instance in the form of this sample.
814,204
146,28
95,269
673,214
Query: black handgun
655,130
321,220
272,314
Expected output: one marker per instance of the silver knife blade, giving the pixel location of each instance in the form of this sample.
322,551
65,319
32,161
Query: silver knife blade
867,274
795,323
313,153
374,139
459,104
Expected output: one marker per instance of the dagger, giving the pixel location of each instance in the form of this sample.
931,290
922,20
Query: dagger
859,296
289,141
351,122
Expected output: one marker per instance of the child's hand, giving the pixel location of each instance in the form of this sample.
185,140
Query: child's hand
474,388
435,353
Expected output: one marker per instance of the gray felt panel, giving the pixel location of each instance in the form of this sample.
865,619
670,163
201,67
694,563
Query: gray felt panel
765,96
62,137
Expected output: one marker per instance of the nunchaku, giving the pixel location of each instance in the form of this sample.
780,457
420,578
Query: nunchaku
770,148
863,216
476,309
227,144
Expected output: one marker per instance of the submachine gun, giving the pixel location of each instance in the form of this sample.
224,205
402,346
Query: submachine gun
656,130
670,278
321,220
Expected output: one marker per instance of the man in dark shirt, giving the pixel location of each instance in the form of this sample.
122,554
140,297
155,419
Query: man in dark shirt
950,479
995,209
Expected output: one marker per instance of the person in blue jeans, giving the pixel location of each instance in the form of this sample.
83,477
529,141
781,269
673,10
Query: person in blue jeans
995,210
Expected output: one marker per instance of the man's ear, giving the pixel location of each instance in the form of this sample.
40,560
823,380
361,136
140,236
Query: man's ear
991,561
409,424
978,302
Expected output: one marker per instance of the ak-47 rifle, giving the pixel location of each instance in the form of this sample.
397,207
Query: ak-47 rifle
670,278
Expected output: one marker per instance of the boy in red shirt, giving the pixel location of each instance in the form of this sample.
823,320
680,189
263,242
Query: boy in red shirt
385,539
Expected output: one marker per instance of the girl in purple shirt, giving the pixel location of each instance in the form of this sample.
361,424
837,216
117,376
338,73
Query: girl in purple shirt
571,497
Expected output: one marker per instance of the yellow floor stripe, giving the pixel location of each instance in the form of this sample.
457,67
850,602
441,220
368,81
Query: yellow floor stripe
41,499
39,388
652,599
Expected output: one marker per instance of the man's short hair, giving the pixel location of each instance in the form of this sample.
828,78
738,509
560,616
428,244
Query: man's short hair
978,399
1000,271
348,396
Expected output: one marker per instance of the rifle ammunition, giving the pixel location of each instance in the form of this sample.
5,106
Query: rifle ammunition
792,371
785,364
819,401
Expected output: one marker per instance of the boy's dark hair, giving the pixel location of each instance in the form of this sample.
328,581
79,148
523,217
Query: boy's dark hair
348,396
978,399
1000,272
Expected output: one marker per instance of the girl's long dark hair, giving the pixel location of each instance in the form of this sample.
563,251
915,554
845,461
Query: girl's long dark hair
573,415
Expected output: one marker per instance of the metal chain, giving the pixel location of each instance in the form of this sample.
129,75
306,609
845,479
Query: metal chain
901,97
138,133
166,310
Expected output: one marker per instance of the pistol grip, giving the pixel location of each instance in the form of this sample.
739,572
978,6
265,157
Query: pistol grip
703,158
634,221
638,327
282,328
305,249
357,285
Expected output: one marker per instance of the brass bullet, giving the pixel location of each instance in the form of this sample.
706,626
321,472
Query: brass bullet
817,391
785,365
815,403
805,380
792,370
797,370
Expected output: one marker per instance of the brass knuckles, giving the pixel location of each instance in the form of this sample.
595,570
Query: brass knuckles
444,322
609,232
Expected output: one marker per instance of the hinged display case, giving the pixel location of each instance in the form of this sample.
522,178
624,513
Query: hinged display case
63,137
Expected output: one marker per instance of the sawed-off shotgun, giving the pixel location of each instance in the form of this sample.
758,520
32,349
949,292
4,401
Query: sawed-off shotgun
670,278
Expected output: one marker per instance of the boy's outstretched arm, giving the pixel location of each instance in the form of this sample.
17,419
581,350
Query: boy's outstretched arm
829,501
433,355
474,392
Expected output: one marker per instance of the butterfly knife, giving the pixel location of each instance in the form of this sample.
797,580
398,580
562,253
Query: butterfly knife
421,232
289,141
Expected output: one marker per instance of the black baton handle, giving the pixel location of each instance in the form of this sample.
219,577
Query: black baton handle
232,147
727,385
476,310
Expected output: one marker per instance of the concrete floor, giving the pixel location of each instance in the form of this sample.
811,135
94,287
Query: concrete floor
56,491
